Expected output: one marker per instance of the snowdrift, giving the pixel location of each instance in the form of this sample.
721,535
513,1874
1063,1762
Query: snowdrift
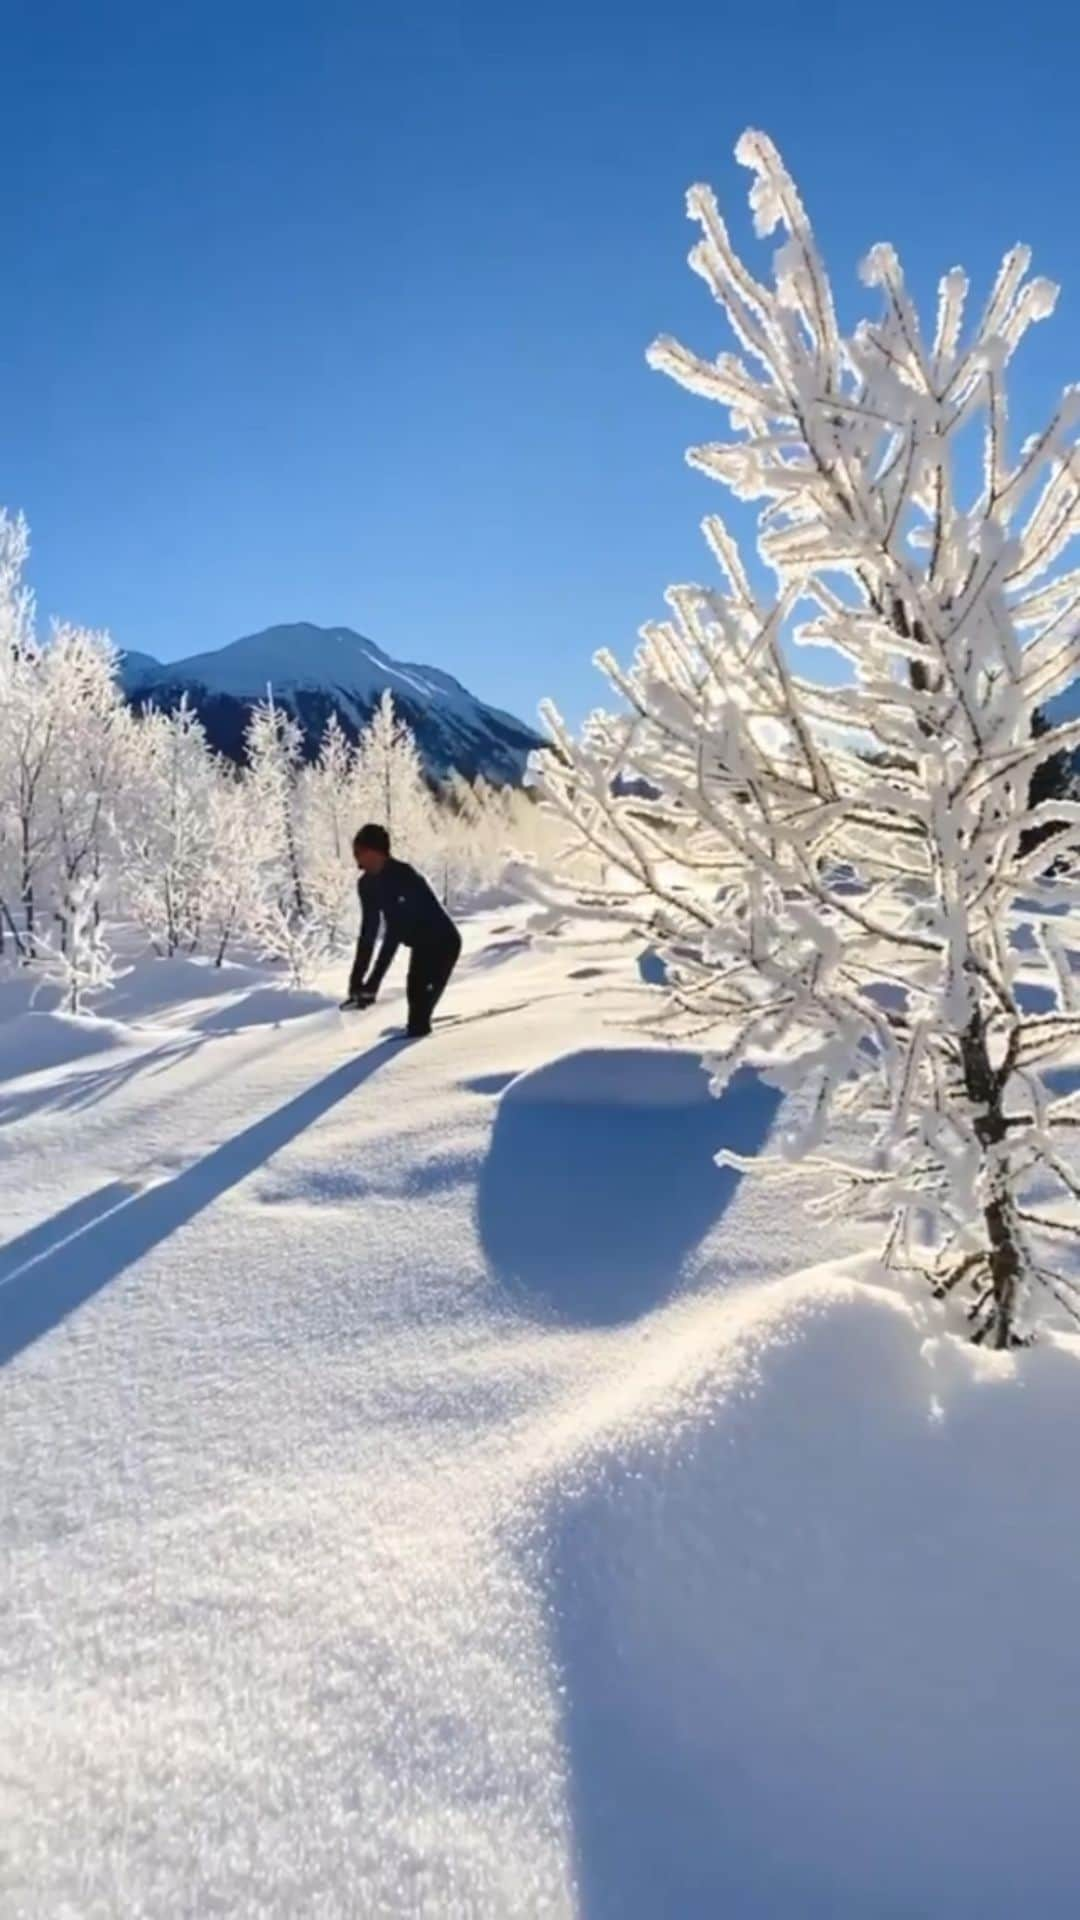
818,1660
600,1178
435,1488
33,1042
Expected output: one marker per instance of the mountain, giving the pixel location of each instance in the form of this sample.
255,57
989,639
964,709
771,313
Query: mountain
138,668
317,671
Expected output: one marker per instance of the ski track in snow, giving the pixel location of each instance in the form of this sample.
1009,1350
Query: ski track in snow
432,1488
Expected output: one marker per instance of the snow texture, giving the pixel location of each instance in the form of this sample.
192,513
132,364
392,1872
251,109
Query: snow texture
371,1548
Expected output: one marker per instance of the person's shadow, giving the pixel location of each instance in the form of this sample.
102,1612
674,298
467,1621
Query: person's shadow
48,1272
601,1178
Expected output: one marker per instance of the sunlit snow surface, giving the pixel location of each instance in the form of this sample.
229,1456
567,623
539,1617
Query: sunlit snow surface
430,1487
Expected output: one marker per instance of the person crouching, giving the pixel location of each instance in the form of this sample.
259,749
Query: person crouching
396,898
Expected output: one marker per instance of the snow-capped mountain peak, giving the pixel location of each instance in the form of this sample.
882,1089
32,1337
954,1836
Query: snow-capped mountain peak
320,670
289,656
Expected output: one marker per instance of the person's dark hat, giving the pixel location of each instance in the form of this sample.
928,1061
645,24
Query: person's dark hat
375,838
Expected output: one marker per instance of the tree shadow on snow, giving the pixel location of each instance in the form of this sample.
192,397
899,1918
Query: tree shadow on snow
497,951
600,1178
76,1091
271,1006
53,1269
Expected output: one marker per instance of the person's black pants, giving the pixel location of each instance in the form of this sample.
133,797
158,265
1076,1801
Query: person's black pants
432,963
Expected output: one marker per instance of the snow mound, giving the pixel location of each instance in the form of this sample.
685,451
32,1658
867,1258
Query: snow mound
153,985
263,1007
600,1180
36,1042
815,1656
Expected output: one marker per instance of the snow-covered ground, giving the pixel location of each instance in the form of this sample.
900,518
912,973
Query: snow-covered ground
431,1488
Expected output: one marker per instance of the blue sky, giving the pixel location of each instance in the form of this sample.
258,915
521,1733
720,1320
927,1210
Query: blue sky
338,312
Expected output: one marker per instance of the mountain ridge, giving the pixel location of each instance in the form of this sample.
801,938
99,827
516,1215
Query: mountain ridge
316,671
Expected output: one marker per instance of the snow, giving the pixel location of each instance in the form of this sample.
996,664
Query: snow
431,1487
33,1041
641,1206
806,1670
334,660
288,656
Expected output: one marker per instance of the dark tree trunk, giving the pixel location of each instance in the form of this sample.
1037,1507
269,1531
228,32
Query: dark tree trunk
26,889
985,1089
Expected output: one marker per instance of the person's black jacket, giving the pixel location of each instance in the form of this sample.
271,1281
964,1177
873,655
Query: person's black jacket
411,916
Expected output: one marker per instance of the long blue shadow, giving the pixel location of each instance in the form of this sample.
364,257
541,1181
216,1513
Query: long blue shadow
600,1178
85,1089
55,1268
50,1235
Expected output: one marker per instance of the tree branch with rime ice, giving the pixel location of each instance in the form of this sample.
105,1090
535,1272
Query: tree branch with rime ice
848,881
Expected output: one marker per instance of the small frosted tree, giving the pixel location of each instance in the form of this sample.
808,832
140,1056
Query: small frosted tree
465,847
87,777
284,921
850,881
64,732
82,965
169,828
389,782
28,740
236,877
328,825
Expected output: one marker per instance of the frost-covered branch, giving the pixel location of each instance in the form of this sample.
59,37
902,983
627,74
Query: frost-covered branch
853,879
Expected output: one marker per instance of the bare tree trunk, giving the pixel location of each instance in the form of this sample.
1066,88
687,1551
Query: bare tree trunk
985,1088
26,886
226,936
7,918
172,938
293,855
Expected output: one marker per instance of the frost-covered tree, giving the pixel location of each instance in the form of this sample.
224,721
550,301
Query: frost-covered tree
479,831
389,783
27,746
64,733
848,876
83,964
87,780
170,828
531,830
285,923
459,841
235,878
329,822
